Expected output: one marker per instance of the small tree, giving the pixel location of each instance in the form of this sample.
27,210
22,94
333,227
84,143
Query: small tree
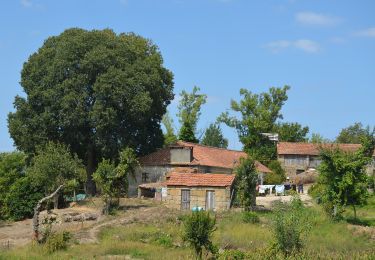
344,177
113,180
246,181
213,136
198,228
289,225
188,112
169,136
54,165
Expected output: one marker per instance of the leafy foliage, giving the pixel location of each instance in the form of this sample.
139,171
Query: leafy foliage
198,229
213,136
169,136
318,139
246,181
353,134
54,165
290,224
259,113
21,199
344,177
94,91
113,180
189,112
57,241
12,167
277,175
250,217
291,132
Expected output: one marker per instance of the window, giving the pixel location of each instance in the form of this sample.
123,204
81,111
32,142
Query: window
145,177
299,171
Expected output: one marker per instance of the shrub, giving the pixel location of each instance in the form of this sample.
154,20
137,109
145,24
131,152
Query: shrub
198,228
316,191
57,241
232,254
290,223
250,217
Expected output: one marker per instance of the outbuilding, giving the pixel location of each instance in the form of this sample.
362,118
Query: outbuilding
208,191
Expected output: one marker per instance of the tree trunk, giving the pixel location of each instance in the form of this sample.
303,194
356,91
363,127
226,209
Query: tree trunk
56,201
355,212
37,211
90,168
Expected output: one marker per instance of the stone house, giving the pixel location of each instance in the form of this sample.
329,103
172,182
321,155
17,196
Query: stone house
297,158
208,191
204,159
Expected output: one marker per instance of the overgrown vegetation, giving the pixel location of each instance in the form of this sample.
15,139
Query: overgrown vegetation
198,228
246,181
289,226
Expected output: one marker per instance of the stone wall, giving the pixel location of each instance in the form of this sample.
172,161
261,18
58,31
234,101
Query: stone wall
198,197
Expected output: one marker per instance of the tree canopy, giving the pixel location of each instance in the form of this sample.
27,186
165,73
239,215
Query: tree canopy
53,165
353,134
95,91
258,114
213,136
317,138
246,181
344,178
169,135
189,111
291,132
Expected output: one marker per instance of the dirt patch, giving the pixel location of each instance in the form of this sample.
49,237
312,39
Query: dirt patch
268,200
363,231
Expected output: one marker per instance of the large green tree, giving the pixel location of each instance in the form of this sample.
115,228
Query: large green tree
95,91
317,138
213,136
291,132
258,114
353,134
189,111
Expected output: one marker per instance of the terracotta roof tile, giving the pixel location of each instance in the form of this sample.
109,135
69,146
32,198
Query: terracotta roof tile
203,156
312,149
200,179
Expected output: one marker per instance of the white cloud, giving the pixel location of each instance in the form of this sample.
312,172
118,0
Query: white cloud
369,32
307,45
316,19
26,3
301,44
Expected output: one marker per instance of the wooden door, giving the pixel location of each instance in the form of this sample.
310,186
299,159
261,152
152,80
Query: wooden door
185,199
210,200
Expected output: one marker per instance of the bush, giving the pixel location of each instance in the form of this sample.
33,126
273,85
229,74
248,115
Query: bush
289,225
250,217
232,254
21,199
316,191
198,228
57,241
277,175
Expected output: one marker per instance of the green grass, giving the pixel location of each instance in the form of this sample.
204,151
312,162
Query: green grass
326,239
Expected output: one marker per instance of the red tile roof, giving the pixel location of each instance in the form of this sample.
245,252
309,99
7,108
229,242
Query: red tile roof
312,149
200,179
202,156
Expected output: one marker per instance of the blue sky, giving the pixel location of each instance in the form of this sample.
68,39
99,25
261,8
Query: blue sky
325,50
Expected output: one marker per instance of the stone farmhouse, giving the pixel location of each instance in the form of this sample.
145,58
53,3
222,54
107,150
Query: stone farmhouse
297,158
202,159
204,190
